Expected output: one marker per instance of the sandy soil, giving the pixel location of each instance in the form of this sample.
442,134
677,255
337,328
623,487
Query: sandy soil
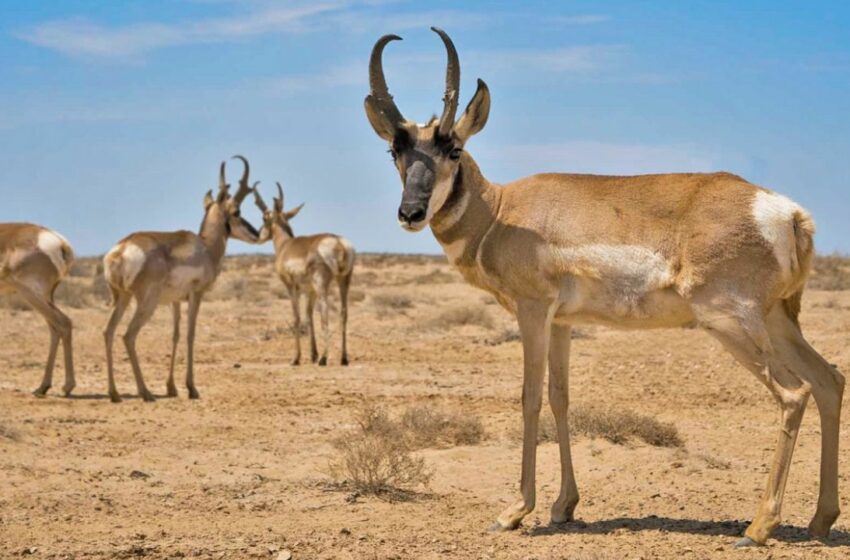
241,473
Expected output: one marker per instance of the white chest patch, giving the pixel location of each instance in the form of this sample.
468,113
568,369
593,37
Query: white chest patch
455,250
51,243
774,216
132,261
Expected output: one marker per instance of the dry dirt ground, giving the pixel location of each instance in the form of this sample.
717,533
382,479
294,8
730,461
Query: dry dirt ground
243,472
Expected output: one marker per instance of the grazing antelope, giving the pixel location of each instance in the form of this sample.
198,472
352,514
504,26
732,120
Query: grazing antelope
157,268
33,260
667,250
308,263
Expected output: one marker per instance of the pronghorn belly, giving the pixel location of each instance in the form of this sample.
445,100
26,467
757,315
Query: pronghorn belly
182,281
588,300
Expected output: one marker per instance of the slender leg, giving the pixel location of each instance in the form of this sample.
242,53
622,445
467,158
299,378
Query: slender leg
145,308
827,386
311,328
323,312
559,400
534,318
294,298
60,328
171,388
119,307
194,308
751,345
344,283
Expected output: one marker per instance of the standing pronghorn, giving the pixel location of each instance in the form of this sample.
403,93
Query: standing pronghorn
33,260
308,262
646,251
157,268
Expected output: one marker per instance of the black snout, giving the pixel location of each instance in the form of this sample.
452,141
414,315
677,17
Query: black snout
411,213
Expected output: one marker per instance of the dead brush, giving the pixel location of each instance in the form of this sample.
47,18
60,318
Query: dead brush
8,433
427,427
617,426
375,458
389,304
830,272
74,293
463,315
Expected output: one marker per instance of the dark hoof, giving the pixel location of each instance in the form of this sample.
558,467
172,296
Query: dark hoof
148,397
115,397
194,394
171,391
314,358
67,390
41,391
343,362
323,361
295,362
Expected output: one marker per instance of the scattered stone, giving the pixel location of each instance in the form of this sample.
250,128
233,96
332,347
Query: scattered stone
345,531
237,365
284,555
139,474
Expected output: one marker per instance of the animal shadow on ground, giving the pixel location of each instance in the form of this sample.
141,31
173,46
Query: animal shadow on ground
105,396
784,533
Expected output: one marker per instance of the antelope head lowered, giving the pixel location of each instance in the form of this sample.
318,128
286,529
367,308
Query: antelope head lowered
309,264
157,268
664,250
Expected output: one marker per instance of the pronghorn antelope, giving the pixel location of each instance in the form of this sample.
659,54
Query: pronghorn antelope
710,250
157,268
308,263
33,260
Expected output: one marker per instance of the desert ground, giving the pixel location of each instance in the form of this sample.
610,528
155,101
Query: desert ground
256,467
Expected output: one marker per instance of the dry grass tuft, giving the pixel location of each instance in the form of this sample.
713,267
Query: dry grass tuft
392,301
426,427
464,315
617,426
375,458
620,426
510,334
830,272
436,276
74,294
9,433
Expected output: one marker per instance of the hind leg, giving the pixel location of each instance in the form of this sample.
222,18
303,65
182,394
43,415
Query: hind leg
170,387
344,283
145,308
121,301
60,328
827,385
748,341
311,327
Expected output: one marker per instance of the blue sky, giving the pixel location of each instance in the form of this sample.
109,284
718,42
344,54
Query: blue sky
115,115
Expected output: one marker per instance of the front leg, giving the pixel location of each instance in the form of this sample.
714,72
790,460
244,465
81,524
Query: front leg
534,318
294,298
194,309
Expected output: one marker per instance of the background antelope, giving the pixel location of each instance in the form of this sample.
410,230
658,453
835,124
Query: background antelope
157,268
33,260
646,251
308,263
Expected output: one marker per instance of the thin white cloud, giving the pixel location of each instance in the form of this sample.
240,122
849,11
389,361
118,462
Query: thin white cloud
81,37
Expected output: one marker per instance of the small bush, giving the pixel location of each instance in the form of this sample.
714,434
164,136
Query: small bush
73,294
356,296
9,433
510,334
830,272
621,426
465,315
376,459
427,427
392,301
436,276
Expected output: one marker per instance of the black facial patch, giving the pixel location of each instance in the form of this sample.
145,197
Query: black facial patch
402,141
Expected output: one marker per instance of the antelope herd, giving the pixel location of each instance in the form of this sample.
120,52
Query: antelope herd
709,250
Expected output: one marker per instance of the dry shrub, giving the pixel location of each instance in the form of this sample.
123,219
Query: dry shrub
436,276
14,302
616,426
464,315
713,462
375,458
830,272
356,296
392,301
620,426
427,427
73,294
8,432
510,334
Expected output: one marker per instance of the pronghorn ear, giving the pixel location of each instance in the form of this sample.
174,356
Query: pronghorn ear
294,212
379,120
475,116
208,200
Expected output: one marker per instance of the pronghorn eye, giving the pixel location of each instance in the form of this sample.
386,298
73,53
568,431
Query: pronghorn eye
455,154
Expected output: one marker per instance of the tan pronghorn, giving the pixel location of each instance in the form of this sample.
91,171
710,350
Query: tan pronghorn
669,250
157,268
308,263
33,260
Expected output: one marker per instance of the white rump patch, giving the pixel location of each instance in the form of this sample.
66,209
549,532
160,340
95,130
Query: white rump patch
774,216
326,251
633,269
51,243
133,259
